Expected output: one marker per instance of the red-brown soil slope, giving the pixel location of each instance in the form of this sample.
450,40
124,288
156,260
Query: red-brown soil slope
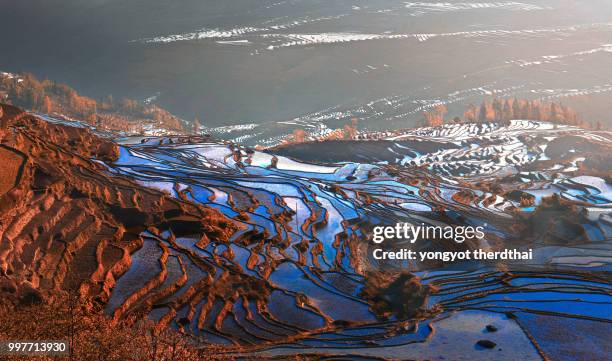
67,223
11,163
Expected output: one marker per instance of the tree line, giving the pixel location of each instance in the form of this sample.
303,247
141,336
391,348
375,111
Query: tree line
502,111
46,96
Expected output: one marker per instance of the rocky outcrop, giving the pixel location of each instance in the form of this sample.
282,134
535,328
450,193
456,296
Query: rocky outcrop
397,294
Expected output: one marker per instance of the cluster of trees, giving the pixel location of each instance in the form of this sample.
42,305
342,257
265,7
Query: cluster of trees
497,110
503,111
298,136
46,96
347,132
196,126
350,131
434,117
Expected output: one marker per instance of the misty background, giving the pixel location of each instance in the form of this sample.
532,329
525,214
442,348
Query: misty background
315,63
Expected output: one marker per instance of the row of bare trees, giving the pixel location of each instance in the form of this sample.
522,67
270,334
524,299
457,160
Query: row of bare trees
499,110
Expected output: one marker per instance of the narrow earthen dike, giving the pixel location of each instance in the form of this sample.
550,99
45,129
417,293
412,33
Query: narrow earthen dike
66,223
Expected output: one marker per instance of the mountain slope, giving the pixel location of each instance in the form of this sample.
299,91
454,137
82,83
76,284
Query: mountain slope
66,224
274,255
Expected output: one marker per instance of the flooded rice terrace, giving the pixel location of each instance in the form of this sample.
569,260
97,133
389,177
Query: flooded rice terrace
298,277
255,71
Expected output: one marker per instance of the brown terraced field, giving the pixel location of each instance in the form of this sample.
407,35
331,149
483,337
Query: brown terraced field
11,163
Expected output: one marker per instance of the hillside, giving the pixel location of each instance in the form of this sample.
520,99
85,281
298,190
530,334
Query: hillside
125,115
273,255
67,225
